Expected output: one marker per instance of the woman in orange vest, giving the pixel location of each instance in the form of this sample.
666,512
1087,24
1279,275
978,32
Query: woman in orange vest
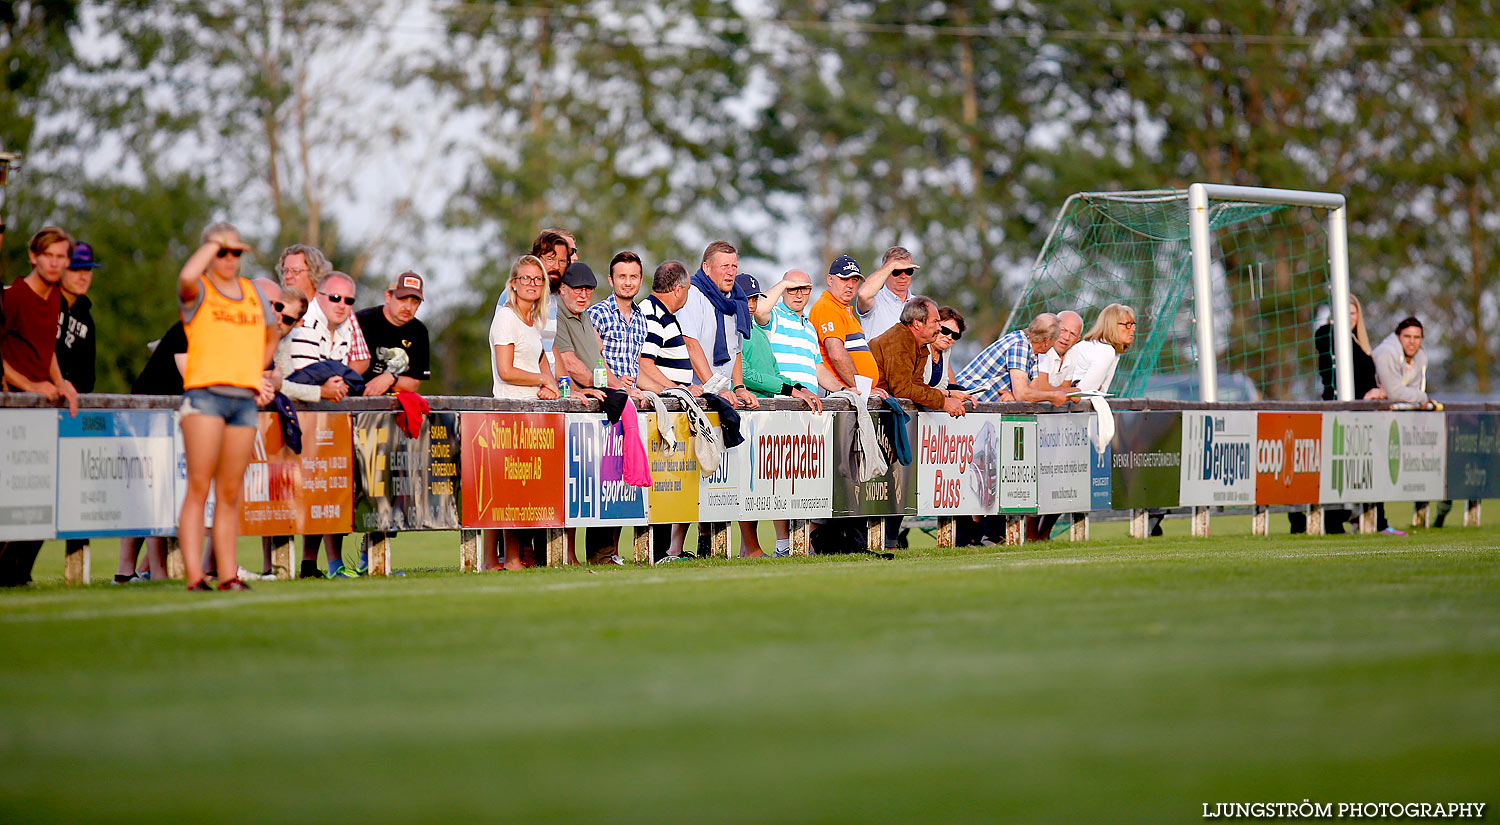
231,334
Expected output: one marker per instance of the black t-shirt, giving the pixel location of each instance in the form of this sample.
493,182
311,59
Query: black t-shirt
390,344
76,347
160,375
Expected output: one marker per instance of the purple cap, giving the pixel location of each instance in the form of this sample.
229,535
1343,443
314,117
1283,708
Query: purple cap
83,257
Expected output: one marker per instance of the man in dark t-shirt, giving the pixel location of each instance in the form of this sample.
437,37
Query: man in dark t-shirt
399,351
76,344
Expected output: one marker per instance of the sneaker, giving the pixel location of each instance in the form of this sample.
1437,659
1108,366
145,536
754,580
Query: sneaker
779,553
135,578
665,559
234,584
202,585
615,559
1391,531
310,573
252,576
344,572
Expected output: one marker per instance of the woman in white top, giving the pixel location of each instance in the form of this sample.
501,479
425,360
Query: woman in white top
519,369
1090,363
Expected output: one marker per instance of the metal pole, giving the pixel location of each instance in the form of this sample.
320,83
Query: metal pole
1338,273
1203,321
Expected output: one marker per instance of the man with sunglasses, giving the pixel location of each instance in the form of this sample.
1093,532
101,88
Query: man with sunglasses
901,352
402,355
304,268
324,336
885,292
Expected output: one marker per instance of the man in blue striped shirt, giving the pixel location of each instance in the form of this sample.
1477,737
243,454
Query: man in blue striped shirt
621,326
1006,369
794,342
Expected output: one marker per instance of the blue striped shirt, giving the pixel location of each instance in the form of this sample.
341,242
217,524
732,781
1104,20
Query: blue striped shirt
622,338
664,342
795,346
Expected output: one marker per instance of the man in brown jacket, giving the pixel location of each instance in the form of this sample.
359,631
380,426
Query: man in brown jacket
901,353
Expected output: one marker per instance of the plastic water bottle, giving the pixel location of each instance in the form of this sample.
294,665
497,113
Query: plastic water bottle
601,375
564,387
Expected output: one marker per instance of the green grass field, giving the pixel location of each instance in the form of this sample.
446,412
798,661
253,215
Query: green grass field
1111,681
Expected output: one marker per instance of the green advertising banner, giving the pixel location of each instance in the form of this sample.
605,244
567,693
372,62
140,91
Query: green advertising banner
1473,455
891,493
1147,460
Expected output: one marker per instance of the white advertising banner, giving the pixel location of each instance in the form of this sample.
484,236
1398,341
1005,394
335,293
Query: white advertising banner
1018,464
1417,464
1383,456
787,466
1072,476
116,474
719,494
958,464
28,475
1218,458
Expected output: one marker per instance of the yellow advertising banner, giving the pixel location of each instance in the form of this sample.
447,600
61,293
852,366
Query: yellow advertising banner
674,473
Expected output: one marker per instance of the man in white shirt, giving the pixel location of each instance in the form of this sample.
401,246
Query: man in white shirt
1049,372
884,292
715,321
326,334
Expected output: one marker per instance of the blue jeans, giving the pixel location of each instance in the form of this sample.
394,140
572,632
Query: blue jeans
236,411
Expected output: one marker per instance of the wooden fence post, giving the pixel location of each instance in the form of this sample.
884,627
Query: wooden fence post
378,548
797,530
468,551
76,562
947,531
1315,520
1080,529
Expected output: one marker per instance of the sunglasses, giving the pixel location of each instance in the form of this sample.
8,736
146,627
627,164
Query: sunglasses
228,253
951,333
345,299
1130,324
285,318
903,273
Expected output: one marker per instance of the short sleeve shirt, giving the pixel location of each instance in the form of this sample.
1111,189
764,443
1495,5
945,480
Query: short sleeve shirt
664,344
575,334
884,313
795,346
30,331
1050,363
621,337
701,321
832,319
402,350
508,328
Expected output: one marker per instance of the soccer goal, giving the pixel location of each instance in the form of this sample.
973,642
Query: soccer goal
1229,284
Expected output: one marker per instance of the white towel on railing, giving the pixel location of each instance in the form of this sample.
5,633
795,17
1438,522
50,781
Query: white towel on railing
664,426
1106,423
873,464
707,445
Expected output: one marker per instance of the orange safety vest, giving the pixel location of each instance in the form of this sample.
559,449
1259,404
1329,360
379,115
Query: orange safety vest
226,339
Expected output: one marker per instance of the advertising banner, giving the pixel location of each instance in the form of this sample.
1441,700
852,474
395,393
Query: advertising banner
1072,475
511,466
1418,445
1018,464
674,472
1288,457
116,474
1147,460
406,483
597,493
1473,455
891,493
1218,464
1382,456
719,494
958,464
788,465
28,475
287,494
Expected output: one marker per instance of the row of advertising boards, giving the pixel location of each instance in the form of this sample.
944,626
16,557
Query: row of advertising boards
122,473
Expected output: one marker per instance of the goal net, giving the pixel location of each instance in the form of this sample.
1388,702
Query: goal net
1269,277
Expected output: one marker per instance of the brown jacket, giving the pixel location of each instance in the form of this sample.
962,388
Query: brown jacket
901,363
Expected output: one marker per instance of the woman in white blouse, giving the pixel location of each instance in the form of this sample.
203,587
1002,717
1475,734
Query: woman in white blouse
519,369
1090,363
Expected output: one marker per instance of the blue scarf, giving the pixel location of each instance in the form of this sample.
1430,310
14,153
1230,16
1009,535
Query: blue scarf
732,304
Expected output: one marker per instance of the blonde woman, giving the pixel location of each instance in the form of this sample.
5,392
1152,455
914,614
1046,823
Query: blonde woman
1090,363
519,369
1366,384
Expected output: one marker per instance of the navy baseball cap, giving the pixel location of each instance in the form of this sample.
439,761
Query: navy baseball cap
579,276
83,257
845,267
748,285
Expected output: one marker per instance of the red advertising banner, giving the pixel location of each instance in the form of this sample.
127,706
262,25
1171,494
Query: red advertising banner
513,469
287,494
1288,457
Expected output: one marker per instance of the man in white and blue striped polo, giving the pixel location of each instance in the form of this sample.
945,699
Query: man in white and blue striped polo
794,342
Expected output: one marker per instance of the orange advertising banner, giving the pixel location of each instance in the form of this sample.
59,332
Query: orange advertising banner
514,469
1288,457
287,494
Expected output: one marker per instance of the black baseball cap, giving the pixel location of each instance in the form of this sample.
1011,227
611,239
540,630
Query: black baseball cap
579,276
748,285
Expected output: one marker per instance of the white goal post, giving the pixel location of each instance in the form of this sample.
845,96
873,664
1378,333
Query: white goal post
1199,195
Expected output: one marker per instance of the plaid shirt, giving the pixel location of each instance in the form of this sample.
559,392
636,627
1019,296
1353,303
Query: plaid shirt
989,374
621,339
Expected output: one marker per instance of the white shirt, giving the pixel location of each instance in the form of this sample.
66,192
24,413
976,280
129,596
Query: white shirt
313,341
1092,364
1050,363
697,318
507,328
885,312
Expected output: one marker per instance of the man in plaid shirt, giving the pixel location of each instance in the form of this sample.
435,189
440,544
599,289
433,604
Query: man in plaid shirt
1006,368
621,326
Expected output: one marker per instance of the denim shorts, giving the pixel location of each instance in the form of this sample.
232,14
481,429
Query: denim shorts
236,411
